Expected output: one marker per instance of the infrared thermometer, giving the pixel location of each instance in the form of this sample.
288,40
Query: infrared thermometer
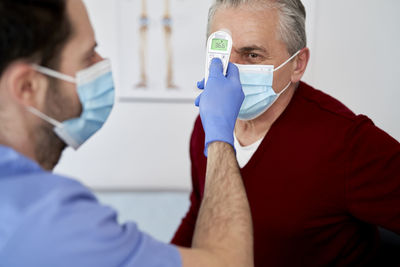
219,45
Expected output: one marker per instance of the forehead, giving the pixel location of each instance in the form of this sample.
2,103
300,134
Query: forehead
82,30
82,38
249,25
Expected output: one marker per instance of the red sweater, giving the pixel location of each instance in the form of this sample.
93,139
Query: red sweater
318,185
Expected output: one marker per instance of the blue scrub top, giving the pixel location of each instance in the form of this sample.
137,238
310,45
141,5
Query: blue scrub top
49,220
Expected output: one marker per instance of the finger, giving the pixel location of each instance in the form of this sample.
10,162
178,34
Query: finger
197,101
216,68
200,84
233,73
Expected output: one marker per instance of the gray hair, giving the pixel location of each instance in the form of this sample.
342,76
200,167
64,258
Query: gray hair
292,19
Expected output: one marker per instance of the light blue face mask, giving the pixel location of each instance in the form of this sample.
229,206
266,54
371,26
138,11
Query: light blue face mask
257,83
95,87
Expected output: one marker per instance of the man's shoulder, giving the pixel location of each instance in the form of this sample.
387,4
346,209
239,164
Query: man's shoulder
28,190
28,193
323,104
25,187
22,177
22,174
321,113
66,213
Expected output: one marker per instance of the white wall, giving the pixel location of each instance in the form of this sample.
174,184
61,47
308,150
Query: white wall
355,49
158,214
356,57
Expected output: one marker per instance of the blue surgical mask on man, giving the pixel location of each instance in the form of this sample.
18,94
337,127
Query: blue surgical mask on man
95,87
257,83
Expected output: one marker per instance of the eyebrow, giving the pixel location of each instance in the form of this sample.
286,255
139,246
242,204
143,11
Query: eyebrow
253,48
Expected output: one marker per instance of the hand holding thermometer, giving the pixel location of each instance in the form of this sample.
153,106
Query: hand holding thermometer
219,45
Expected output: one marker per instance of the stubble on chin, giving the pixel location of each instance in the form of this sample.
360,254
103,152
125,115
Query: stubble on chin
49,147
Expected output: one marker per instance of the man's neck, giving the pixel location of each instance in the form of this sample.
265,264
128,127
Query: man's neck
35,145
13,134
248,132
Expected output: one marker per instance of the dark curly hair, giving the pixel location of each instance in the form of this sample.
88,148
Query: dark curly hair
33,30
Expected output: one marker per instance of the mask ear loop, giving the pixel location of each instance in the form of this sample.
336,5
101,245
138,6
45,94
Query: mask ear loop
281,66
44,117
287,86
287,61
53,73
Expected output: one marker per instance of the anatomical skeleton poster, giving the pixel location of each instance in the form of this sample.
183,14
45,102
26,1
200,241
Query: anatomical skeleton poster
161,48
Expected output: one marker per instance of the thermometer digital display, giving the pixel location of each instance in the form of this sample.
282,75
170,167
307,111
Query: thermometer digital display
219,45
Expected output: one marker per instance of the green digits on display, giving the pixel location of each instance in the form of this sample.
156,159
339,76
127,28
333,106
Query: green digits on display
219,44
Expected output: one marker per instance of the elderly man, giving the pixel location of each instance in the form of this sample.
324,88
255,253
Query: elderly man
55,90
319,178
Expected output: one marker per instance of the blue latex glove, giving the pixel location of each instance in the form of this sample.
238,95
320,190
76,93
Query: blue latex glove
220,103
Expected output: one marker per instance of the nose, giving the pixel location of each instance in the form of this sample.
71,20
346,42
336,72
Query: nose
98,58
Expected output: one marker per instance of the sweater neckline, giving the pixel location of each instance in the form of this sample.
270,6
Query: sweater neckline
272,132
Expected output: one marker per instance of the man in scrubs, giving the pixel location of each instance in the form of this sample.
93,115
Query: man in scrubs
55,90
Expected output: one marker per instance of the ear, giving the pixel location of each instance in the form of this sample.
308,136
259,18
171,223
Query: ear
300,65
25,85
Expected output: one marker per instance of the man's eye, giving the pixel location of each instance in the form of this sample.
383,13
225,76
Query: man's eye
252,58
